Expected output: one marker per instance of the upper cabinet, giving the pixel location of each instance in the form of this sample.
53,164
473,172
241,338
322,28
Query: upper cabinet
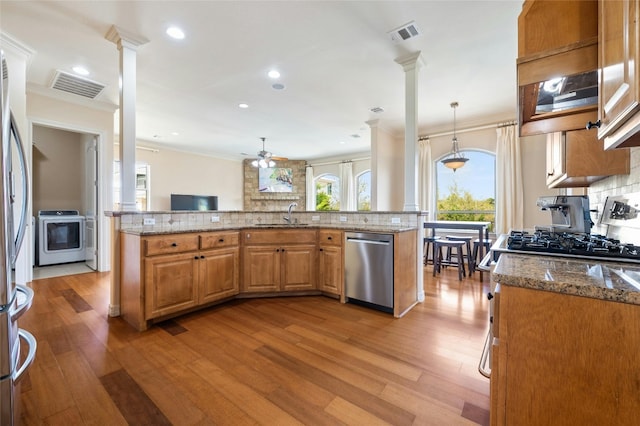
557,65
619,108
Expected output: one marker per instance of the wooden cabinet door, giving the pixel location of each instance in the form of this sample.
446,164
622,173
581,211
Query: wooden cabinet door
218,274
170,284
555,157
330,272
261,268
618,57
298,267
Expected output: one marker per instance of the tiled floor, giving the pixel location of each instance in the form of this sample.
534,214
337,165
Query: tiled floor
49,271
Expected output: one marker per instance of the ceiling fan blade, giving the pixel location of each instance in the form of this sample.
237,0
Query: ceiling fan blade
274,158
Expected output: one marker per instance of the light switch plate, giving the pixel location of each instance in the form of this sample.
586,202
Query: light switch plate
149,221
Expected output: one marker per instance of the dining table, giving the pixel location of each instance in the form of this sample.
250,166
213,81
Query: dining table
481,227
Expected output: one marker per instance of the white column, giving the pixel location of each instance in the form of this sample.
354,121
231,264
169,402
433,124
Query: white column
373,126
411,64
127,45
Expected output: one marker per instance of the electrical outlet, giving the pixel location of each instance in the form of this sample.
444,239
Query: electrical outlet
315,218
149,221
343,218
395,220
215,218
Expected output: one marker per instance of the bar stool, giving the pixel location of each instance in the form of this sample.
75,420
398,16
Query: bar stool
438,261
467,244
476,247
429,248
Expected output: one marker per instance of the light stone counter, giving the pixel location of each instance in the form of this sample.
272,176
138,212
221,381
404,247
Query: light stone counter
617,282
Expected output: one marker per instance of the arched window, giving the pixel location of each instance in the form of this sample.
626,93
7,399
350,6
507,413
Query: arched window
469,192
327,192
363,191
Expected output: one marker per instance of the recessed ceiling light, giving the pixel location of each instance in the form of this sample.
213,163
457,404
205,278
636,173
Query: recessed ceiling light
175,32
278,86
243,105
274,74
80,70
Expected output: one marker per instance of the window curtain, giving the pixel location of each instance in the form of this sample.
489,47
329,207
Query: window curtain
425,179
347,194
509,185
310,189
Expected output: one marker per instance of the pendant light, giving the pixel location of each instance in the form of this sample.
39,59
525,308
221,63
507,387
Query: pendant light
456,159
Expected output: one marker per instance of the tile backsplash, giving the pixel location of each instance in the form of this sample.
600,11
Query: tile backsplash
183,221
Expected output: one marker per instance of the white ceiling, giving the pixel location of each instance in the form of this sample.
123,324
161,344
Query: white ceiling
335,58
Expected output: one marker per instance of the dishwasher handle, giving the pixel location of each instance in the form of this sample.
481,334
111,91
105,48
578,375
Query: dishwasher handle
367,241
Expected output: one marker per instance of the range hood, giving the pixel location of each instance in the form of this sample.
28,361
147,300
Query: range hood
567,92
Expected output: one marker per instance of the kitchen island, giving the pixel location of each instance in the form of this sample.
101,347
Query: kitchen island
566,339
172,263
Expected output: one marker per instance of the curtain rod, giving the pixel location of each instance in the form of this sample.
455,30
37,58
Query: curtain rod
338,162
470,129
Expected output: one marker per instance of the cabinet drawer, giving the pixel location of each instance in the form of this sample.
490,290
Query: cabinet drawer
330,237
168,244
219,239
281,236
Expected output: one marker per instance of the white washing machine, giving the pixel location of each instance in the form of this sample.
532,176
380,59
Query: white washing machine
60,237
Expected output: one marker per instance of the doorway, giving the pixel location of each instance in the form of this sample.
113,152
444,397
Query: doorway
64,178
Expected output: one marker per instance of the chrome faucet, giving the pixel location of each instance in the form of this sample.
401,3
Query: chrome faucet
288,216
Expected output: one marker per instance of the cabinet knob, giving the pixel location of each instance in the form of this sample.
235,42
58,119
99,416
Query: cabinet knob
321,249
174,244
195,257
591,125
221,240
329,238
489,296
278,250
201,257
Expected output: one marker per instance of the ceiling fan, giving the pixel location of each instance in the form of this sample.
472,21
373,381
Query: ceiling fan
265,158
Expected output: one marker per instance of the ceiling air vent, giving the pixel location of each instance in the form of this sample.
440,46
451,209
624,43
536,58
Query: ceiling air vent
377,110
78,86
404,32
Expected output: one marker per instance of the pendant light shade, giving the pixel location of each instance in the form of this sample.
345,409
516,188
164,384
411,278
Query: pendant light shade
455,159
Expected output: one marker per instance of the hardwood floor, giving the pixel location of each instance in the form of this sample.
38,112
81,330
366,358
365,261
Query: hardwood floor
276,361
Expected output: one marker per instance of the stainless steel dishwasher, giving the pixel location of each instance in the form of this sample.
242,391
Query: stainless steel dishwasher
368,269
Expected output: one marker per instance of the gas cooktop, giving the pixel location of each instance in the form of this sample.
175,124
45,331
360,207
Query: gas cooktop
573,245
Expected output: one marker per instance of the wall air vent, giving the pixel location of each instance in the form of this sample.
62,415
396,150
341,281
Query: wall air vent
405,32
78,86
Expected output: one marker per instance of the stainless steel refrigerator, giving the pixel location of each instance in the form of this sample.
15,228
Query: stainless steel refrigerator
15,300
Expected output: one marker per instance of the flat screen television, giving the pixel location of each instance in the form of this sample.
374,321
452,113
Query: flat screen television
194,202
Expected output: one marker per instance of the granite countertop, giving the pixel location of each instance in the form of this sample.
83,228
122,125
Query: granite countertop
617,282
346,228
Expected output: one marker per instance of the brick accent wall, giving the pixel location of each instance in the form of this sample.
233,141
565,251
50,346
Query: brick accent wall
254,200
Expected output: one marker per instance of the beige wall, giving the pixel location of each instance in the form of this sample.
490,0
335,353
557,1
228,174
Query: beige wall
389,170
175,172
58,169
